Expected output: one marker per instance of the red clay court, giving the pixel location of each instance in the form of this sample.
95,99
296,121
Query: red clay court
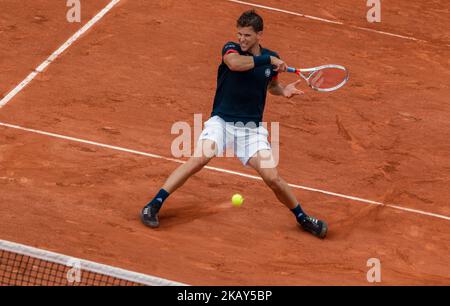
147,64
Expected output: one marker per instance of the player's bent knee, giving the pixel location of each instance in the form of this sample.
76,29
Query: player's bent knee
273,181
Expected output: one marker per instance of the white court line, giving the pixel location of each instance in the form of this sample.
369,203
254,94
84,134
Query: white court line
287,12
357,199
57,53
324,20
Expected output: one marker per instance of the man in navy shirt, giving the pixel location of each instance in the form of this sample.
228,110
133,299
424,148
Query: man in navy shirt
241,92
245,75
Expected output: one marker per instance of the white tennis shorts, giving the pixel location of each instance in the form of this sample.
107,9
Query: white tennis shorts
234,140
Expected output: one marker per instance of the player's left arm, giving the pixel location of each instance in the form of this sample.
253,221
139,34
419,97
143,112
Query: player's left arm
288,91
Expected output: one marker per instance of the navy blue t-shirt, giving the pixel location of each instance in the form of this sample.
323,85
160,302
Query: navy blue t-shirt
241,95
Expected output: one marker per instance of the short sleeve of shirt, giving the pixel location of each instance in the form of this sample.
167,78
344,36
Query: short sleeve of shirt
230,47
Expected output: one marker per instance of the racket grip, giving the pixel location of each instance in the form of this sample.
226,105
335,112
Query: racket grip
290,69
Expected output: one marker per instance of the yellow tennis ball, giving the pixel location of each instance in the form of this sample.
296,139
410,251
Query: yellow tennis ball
237,200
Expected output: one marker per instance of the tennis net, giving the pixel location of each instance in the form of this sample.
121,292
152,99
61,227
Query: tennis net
21,265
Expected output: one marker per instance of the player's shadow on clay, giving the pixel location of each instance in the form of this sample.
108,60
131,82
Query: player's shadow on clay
188,214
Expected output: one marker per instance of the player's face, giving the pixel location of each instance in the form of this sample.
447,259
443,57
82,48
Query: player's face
248,38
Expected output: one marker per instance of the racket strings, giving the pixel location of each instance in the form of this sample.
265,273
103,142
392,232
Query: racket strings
327,78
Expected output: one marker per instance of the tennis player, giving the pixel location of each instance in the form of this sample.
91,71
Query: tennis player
245,75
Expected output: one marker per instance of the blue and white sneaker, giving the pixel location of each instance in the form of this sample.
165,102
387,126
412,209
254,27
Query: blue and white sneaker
316,227
149,215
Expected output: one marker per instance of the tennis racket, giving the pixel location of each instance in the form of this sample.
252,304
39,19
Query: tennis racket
323,78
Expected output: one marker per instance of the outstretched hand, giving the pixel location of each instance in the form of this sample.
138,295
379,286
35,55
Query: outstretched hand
290,90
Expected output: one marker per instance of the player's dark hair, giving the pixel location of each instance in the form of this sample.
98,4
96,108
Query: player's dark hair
251,19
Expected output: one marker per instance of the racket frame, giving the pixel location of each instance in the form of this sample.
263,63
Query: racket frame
301,72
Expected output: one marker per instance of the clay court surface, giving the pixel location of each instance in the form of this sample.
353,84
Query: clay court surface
148,64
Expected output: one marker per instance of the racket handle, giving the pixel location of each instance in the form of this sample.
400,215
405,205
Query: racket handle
290,69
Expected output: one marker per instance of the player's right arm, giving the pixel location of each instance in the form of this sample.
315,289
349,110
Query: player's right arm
237,62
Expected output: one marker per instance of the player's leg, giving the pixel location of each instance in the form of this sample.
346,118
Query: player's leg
204,152
283,192
272,179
